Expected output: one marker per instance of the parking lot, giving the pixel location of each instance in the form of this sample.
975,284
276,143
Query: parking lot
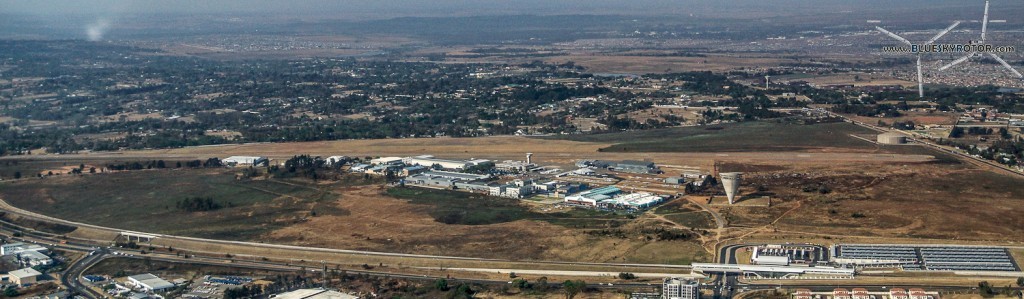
933,258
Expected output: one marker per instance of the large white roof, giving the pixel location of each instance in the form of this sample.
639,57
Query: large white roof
314,294
152,281
24,273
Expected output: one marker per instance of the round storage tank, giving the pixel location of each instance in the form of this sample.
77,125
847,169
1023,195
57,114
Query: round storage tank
892,138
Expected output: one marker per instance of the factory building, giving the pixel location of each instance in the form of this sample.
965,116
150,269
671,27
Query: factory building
149,282
28,255
591,197
632,201
245,160
635,167
23,276
630,166
892,138
445,179
431,181
680,288
18,247
430,161
33,258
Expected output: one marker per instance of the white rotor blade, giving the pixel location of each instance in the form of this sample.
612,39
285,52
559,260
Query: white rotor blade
947,30
984,23
958,61
920,78
1007,65
893,35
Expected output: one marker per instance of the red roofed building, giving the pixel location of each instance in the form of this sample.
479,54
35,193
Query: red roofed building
841,294
861,293
898,293
918,294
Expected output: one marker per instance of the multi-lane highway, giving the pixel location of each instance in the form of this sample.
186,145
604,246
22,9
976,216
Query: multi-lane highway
95,253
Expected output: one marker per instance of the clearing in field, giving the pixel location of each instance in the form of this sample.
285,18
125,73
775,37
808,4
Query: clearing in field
148,201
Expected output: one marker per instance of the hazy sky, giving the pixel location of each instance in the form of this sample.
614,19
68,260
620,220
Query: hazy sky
384,8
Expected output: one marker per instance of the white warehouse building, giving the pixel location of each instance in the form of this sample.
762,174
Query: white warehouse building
430,161
245,160
149,282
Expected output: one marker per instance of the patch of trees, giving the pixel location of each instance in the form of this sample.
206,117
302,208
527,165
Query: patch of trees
198,204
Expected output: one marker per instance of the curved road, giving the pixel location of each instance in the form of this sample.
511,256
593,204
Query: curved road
71,278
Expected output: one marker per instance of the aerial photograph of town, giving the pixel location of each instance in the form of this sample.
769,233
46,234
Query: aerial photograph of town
576,149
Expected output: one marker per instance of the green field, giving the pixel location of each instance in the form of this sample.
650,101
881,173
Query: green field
693,219
453,207
758,136
145,200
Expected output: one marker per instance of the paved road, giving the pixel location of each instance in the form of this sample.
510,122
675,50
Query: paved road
71,278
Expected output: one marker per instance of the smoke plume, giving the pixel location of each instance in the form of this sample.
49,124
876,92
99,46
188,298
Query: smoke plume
97,29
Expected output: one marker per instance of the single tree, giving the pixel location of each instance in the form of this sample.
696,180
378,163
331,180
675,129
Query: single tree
573,288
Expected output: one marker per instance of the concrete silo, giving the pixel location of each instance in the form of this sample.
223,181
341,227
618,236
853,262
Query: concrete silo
731,183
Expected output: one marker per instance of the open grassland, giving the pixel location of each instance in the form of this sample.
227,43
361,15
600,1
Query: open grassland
935,201
146,201
454,207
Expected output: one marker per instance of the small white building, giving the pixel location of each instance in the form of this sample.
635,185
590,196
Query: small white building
245,160
333,160
23,276
149,282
